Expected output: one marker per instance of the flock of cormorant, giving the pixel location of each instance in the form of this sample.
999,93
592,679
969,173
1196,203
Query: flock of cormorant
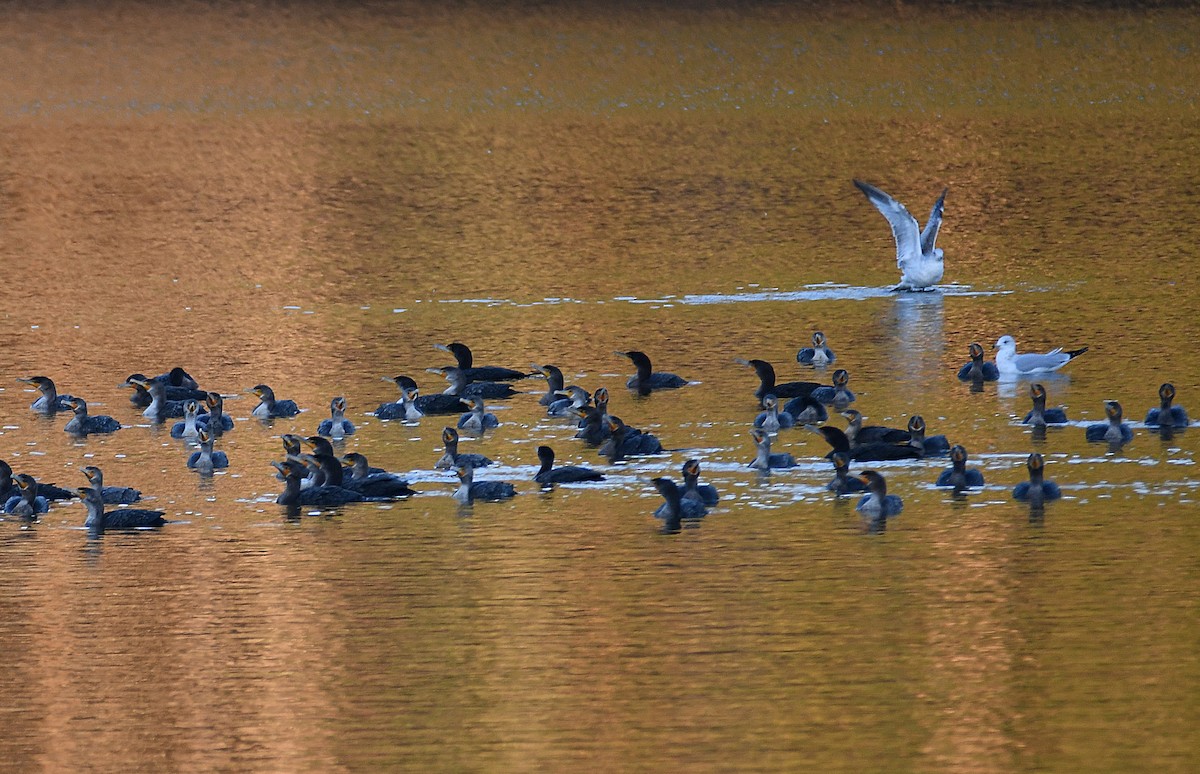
319,477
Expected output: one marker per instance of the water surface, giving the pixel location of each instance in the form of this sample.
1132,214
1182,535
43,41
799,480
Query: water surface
313,198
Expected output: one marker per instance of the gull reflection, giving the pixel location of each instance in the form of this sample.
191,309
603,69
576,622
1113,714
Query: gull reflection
917,320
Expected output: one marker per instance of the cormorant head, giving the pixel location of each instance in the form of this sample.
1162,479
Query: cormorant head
320,445
291,443
874,482
461,352
177,377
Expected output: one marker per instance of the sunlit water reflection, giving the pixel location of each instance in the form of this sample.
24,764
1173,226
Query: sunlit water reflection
314,202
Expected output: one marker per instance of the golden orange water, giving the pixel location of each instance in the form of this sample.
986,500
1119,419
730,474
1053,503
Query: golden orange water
313,196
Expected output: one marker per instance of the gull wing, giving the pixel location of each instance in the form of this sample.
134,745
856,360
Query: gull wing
904,226
1050,361
929,235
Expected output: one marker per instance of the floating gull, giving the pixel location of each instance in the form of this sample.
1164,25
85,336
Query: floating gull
1012,365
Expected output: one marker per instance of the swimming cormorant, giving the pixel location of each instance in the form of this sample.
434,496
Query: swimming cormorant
1167,415
82,424
205,461
764,460
478,418
27,504
877,504
269,407
958,475
111,495
978,370
1040,416
452,458
842,482
1036,490
465,361
646,380
818,354
768,386
359,476
337,426
463,387
49,401
1114,431
98,520
470,490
